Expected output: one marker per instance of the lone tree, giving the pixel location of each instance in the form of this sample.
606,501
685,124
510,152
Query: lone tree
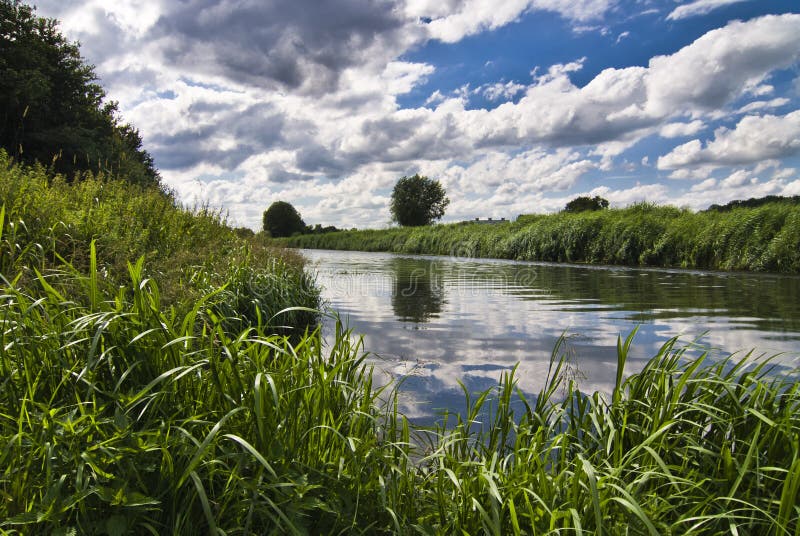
282,219
417,201
584,203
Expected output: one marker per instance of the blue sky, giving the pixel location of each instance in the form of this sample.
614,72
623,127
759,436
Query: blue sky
516,106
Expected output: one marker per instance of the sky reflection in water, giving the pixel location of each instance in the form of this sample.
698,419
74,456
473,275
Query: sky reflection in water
438,320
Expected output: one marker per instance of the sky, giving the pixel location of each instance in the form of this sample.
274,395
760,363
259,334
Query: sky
515,106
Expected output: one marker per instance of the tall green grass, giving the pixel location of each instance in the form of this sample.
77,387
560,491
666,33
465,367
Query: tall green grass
47,223
120,416
764,238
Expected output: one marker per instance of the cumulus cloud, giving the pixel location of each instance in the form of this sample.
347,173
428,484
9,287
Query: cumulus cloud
618,105
755,138
723,192
699,7
762,105
705,185
286,44
719,65
654,193
697,173
300,100
677,130
501,90
452,20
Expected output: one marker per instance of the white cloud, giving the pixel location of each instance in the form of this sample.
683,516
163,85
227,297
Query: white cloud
752,140
764,165
315,119
704,186
793,188
678,130
718,66
503,91
452,20
622,105
473,16
737,188
698,173
435,98
784,174
739,177
761,90
654,193
557,71
763,105
532,171
699,7
401,77
577,10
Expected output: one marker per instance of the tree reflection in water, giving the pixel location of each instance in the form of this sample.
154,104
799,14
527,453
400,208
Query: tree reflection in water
417,291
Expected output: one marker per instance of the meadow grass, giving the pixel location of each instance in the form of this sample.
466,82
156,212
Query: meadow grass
764,238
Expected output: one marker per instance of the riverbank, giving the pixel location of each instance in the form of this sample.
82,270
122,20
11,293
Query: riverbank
759,239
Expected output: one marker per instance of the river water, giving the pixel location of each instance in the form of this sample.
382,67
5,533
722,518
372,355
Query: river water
438,321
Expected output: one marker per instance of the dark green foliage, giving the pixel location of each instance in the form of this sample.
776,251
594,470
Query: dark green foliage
282,219
583,203
319,229
244,232
755,202
418,201
52,109
765,238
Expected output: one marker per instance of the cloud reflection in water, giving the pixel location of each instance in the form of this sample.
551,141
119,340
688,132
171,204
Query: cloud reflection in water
436,321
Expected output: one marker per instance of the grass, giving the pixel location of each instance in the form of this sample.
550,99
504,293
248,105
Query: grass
763,239
130,408
121,416
49,223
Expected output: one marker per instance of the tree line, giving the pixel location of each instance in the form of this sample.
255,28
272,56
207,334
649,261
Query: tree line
416,201
53,111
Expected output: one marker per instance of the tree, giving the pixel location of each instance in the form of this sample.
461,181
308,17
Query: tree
418,200
282,219
584,203
51,108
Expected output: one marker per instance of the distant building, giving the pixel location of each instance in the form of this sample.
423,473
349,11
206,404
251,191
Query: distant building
486,221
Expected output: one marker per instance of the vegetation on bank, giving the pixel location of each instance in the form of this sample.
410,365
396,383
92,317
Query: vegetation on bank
281,219
49,223
763,238
417,200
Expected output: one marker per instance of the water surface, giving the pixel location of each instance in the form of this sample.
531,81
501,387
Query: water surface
439,320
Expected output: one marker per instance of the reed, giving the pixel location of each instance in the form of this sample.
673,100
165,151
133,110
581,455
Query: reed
765,238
